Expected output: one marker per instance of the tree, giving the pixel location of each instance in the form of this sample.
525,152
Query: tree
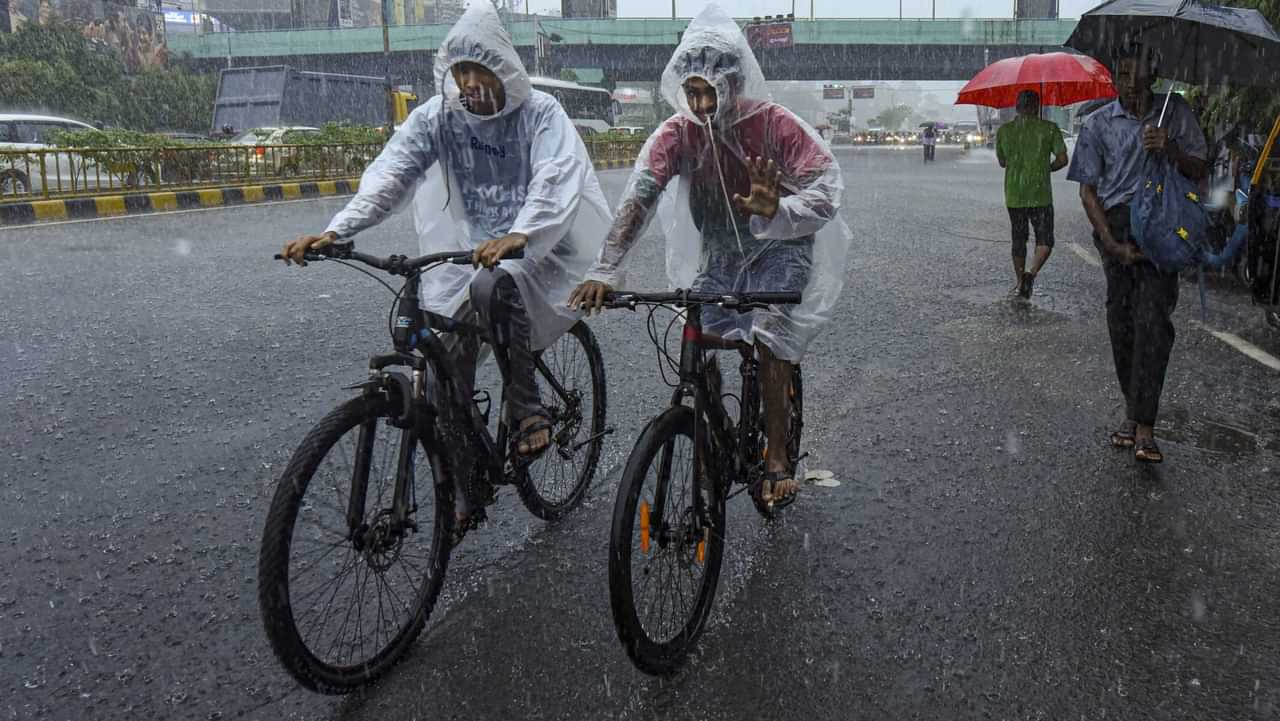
892,118
1256,107
55,69
568,75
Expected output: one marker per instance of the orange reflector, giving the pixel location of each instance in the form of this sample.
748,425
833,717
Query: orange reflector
702,548
644,527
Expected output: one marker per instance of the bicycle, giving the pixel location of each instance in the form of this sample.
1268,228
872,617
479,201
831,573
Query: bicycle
669,514
347,510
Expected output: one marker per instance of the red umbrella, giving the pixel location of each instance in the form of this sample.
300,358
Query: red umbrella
1059,78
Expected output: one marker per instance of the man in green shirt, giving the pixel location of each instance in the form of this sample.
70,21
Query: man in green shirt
1024,147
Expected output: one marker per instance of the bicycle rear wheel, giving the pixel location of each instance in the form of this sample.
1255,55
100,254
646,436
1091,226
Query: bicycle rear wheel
340,608
572,387
664,562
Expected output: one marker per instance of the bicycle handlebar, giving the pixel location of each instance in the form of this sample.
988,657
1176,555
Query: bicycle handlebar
393,264
741,301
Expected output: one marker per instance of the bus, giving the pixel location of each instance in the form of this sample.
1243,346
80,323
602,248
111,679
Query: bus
592,110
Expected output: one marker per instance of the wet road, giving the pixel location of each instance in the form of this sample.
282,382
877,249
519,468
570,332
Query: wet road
985,556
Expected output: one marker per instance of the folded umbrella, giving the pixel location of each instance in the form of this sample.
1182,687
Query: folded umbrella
1059,79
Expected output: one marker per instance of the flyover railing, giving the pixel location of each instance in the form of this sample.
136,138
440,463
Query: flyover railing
71,172
53,173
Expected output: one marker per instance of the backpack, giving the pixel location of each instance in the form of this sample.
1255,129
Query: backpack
1169,222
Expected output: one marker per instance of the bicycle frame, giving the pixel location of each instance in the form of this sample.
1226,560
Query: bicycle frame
730,457
420,418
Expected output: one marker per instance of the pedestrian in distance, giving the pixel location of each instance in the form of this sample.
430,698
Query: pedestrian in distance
1109,161
1030,149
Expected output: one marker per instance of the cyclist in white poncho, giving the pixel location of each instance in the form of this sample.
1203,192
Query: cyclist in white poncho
749,196
497,167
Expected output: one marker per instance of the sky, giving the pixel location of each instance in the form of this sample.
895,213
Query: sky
840,8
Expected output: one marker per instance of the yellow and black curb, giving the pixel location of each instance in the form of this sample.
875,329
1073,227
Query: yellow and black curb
615,164
110,206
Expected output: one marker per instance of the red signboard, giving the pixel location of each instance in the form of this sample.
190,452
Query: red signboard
833,92
769,35
866,93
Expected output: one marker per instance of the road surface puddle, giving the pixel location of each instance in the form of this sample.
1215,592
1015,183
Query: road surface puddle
1215,436
1047,305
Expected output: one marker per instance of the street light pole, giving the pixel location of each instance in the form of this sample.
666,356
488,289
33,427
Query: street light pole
386,67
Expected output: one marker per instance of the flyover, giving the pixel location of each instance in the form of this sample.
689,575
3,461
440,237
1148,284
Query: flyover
636,49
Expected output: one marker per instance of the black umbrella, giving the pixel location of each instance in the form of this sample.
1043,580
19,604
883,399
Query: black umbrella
1093,105
1195,42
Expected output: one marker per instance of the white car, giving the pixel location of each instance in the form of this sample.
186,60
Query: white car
20,172
273,161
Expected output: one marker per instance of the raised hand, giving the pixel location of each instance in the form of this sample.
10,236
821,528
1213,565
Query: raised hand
766,188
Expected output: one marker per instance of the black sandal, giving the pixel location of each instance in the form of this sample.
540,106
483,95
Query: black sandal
1148,452
542,424
1126,436
470,523
773,477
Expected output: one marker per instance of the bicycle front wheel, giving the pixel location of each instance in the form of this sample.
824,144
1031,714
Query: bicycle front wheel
665,549
571,385
340,607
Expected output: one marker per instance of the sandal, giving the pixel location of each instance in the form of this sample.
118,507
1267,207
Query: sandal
775,501
462,525
1126,436
524,434
1148,452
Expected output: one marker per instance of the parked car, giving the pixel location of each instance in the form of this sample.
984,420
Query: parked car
21,174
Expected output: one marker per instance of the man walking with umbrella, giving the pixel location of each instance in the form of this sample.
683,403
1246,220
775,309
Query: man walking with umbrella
1025,145
1109,162
1195,43
1023,148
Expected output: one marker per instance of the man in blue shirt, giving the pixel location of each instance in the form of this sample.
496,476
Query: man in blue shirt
1109,162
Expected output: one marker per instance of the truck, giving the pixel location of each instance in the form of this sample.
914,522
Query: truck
280,96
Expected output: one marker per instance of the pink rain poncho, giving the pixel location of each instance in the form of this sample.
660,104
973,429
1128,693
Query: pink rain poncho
689,170
523,169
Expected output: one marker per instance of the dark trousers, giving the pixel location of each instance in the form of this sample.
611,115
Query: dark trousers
496,305
929,152
1140,304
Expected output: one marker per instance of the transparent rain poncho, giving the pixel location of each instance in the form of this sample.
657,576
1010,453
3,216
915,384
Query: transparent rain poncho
475,178
688,172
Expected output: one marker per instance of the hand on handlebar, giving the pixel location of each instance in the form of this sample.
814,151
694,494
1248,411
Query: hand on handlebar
295,250
589,296
492,251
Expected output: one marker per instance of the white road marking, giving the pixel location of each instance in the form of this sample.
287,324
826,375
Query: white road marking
1242,345
1090,258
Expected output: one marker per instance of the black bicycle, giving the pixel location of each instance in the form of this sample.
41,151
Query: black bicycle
667,539
361,527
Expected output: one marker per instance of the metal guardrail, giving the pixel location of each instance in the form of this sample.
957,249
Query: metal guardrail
618,149
45,174
71,172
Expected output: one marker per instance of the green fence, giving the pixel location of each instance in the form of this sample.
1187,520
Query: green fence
79,172
85,172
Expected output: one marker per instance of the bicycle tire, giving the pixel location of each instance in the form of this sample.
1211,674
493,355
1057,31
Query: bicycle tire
795,427
660,656
569,429
274,577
